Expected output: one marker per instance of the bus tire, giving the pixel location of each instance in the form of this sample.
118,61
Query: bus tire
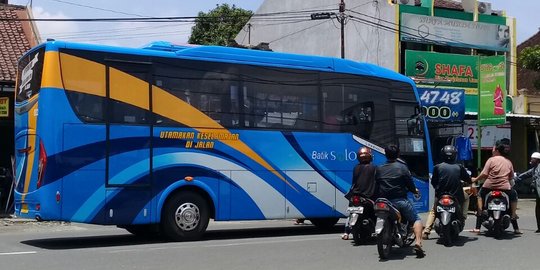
185,216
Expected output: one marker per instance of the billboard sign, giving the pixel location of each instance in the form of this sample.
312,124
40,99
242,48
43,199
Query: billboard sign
442,105
492,91
457,69
454,32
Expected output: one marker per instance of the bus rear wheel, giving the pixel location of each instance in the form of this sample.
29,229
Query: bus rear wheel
185,216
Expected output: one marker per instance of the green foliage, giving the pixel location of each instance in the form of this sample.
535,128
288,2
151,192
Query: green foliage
219,26
529,58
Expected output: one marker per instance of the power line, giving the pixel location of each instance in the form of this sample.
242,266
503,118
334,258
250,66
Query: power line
296,32
97,8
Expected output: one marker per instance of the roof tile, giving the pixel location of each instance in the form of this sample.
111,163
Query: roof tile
13,42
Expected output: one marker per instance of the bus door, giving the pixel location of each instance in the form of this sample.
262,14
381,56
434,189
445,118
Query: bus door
129,133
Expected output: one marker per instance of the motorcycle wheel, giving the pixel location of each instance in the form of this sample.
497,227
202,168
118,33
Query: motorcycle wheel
357,237
447,235
497,229
384,241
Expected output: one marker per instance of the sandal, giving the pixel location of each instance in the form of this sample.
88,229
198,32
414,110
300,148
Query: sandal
345,236
477,231
419,251
425,235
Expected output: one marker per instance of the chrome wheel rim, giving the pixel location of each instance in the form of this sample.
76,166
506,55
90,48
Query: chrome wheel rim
187,216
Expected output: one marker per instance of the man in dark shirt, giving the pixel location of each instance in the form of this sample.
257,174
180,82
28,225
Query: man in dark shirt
393,182
363,181
446,178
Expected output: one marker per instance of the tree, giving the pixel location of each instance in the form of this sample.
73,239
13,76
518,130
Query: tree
219,26
529,58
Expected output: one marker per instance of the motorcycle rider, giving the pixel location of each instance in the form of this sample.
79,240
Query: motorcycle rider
534,172
393,181
363,181
447,177
498,171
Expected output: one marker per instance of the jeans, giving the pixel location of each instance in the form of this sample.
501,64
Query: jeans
406,208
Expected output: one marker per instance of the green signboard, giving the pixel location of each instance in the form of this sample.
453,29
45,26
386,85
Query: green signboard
459,70
492,91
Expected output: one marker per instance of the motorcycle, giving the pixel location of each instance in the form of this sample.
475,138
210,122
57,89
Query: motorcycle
450,223
389,228
361,218
496,216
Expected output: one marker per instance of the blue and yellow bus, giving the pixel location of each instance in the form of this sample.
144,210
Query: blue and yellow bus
166,137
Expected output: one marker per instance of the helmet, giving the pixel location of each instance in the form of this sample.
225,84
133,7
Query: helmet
364,155
535,155
448,153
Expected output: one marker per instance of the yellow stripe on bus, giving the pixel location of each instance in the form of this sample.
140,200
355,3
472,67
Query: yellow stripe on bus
32,123
51,71
84,75
128,89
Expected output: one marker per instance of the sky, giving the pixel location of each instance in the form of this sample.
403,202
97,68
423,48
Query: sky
136,34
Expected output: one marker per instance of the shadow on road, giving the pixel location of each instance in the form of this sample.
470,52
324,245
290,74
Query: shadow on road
130,240
399,254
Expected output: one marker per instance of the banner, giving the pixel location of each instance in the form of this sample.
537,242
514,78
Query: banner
4,106
492,91
442,105
460,70
490,134
454,32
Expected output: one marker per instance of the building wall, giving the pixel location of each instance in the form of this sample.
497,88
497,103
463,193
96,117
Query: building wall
297,33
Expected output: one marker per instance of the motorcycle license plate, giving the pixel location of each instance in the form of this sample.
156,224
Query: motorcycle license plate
358,209
497,207
446,208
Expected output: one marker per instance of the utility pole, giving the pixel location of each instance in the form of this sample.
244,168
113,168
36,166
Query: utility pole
249,34
342,22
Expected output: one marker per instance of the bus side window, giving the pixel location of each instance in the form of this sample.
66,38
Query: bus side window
89,108
123,113
358,119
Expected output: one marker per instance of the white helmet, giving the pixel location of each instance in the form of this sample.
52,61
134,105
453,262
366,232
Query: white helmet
535,155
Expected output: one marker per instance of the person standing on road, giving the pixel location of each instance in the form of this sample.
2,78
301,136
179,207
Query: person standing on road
534,172
393,181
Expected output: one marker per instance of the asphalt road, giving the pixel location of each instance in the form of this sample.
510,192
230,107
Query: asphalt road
253,246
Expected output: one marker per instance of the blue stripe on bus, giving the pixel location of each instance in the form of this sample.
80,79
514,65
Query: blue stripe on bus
294,143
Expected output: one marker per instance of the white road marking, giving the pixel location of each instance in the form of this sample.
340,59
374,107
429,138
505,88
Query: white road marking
18,253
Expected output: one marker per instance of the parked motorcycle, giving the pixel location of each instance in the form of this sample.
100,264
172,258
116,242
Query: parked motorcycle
449,219
389,228
496,217
361,218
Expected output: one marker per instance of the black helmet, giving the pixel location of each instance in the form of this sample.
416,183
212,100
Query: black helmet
448,153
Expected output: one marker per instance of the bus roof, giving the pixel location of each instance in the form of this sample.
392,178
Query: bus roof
240,56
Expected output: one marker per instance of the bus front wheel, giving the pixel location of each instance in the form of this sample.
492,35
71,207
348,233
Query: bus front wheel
185,216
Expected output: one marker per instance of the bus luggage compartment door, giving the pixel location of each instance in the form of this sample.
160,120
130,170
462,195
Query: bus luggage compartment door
128,175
